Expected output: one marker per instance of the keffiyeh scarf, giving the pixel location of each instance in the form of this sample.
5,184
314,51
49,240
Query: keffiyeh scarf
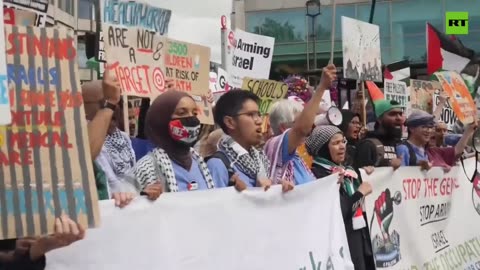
350,185
253,163
158,165
120,152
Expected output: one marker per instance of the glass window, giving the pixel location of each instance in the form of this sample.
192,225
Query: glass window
324,21
284,26
471,40
409,20
85,9
67,6
81,52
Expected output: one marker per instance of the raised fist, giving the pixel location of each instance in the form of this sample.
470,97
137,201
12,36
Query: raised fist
384,211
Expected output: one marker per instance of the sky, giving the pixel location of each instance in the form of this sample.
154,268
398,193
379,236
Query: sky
197,21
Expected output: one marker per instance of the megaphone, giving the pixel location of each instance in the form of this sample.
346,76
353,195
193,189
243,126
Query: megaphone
332,117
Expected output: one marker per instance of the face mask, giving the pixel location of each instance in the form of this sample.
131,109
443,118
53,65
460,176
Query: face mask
185,130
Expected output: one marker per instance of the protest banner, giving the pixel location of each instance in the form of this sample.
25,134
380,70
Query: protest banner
460,98
396,90
268,91
424,220
448,116
421,94
18,17
45,162
5,114
131,14
188,65
248,55
182,230
135,56
38,7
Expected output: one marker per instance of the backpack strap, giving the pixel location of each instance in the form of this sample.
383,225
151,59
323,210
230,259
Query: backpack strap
223,157
412,161
380,151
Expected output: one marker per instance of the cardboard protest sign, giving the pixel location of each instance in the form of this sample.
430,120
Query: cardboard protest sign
248,55
361,50
424,220
460,98
38,7
188,65
395,90
421,94
5,115
448,116
45,162
135,56
268,91
18,17
131,14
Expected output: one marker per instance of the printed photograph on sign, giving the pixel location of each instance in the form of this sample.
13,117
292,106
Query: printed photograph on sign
44,153
188,65
267,90
136,58
460,98
5,114
421,94
361,50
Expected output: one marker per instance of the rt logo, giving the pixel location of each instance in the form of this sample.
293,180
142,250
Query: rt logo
457,23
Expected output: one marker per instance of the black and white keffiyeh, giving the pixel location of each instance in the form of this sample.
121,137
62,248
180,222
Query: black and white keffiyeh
120,152
158,165
253,163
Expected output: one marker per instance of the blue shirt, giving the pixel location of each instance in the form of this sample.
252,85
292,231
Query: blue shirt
404,154
141,147
185,177
220,174
300,175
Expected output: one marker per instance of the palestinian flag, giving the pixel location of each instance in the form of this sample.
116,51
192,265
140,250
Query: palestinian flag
448,53
398,71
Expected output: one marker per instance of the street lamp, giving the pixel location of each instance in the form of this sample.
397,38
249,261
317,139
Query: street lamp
312,11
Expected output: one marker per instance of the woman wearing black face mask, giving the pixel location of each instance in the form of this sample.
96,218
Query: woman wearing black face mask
172,126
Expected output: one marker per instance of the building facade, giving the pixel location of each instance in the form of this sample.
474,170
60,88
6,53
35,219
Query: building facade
402,27
79,16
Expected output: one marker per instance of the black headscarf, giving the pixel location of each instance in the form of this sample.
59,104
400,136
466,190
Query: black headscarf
157,122
347,117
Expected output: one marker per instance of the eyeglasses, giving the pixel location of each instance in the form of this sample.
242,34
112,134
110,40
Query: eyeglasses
254,115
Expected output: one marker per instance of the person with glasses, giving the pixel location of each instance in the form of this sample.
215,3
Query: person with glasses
327,145
237,113
351,126
415,151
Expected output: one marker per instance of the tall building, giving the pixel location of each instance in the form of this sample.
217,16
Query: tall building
402,28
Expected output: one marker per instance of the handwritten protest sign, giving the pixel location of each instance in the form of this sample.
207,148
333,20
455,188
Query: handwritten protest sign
268,91
188,65
18,17
421,94
38,7
448,116
45,163
460,98
248,55
397,91
132,14
135,56
5,115
424,220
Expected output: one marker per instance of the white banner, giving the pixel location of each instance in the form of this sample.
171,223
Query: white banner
424,220
248,55
218,229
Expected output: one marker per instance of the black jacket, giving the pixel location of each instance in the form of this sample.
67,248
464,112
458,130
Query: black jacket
358,240
20,262
366,150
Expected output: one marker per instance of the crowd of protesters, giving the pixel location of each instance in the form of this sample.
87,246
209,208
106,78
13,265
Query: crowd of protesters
174,152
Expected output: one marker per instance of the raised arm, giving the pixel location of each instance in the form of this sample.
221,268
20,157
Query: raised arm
467,135
304,122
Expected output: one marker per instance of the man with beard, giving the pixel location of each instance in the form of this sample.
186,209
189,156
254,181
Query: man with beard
378,147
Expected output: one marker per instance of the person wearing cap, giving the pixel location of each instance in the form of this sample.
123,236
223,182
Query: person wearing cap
327,145
378,147
415,150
